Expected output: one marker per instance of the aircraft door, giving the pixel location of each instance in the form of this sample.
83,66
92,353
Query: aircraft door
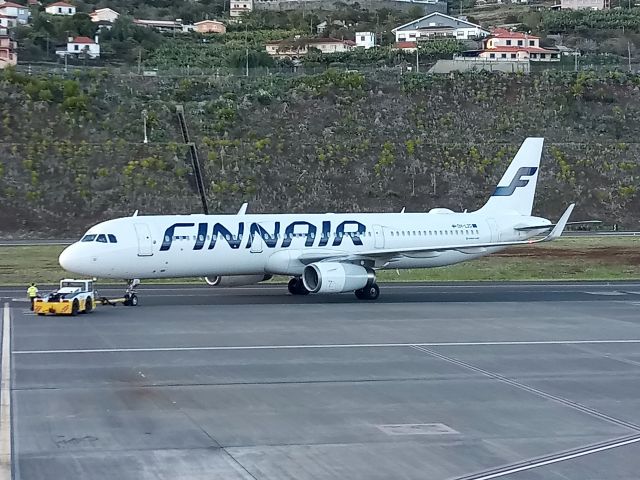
378,235
260,239
256,243
145,243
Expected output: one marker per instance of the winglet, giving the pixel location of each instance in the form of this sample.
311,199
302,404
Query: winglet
243,209
559,228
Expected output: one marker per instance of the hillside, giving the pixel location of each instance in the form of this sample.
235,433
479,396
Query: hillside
338,141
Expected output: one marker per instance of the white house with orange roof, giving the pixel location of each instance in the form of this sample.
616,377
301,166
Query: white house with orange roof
20,12
301,46
506,45
60,8
80,46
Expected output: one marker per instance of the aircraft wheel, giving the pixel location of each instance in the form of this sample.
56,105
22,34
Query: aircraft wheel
368,293
296,287
133,300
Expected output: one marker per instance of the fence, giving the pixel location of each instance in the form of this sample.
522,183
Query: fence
257,72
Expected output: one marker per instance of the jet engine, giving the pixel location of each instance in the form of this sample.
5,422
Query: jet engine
235,280
334,277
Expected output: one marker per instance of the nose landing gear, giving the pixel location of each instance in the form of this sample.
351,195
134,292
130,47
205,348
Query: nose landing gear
130,297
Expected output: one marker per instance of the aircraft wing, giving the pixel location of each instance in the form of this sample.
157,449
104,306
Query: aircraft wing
465,248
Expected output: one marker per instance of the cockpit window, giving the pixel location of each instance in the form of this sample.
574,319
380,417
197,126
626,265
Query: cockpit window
88,238
102,238
112,238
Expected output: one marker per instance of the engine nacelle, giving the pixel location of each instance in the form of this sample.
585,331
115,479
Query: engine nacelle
336,277
235,280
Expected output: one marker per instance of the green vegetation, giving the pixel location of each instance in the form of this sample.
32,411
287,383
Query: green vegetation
338,141
567,21
610,258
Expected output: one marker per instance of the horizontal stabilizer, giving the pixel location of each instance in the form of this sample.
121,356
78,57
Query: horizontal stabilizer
551,225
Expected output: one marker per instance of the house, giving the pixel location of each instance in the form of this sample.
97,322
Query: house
80,45
585,4
8,55
104,15
406,46
240,7
210,26
60,8
8,21
20,12
322,26
301,46
165,25
438,25
365,39
503,44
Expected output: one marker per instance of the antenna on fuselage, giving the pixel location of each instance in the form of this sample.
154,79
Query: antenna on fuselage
243,209
135,214
402,211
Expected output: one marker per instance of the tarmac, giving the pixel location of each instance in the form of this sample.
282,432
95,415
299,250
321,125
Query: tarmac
449,381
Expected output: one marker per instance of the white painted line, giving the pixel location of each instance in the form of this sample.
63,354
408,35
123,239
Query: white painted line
563,458
5,397
320,346
612,293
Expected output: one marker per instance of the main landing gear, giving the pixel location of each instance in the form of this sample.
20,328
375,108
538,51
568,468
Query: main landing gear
368,293
296,287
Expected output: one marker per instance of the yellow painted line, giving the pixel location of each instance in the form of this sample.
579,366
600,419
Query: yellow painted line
5,397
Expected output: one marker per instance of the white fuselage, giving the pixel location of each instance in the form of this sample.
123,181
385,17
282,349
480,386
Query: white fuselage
210,245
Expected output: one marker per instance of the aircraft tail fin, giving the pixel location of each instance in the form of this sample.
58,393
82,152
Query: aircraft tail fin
517,188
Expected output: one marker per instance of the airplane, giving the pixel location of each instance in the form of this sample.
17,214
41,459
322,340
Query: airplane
322,253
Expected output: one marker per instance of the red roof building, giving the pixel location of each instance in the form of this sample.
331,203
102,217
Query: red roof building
406,46
506,45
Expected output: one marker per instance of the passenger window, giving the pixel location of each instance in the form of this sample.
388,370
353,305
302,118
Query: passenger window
228,237
392,234
112,238
414,232
429,232
440,232
88,238
201,238
102,238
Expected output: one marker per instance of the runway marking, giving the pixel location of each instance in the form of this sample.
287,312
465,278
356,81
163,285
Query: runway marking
613,293
5,397
531,464
527,388
321,346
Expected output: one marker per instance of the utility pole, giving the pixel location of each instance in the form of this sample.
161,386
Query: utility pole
144,124
65,62
629,53
575,60
246,42
139,60
417,58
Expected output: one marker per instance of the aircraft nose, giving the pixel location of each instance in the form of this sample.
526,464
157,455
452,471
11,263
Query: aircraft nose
70,259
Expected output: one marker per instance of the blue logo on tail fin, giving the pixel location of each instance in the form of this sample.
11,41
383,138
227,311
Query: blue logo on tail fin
516,182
